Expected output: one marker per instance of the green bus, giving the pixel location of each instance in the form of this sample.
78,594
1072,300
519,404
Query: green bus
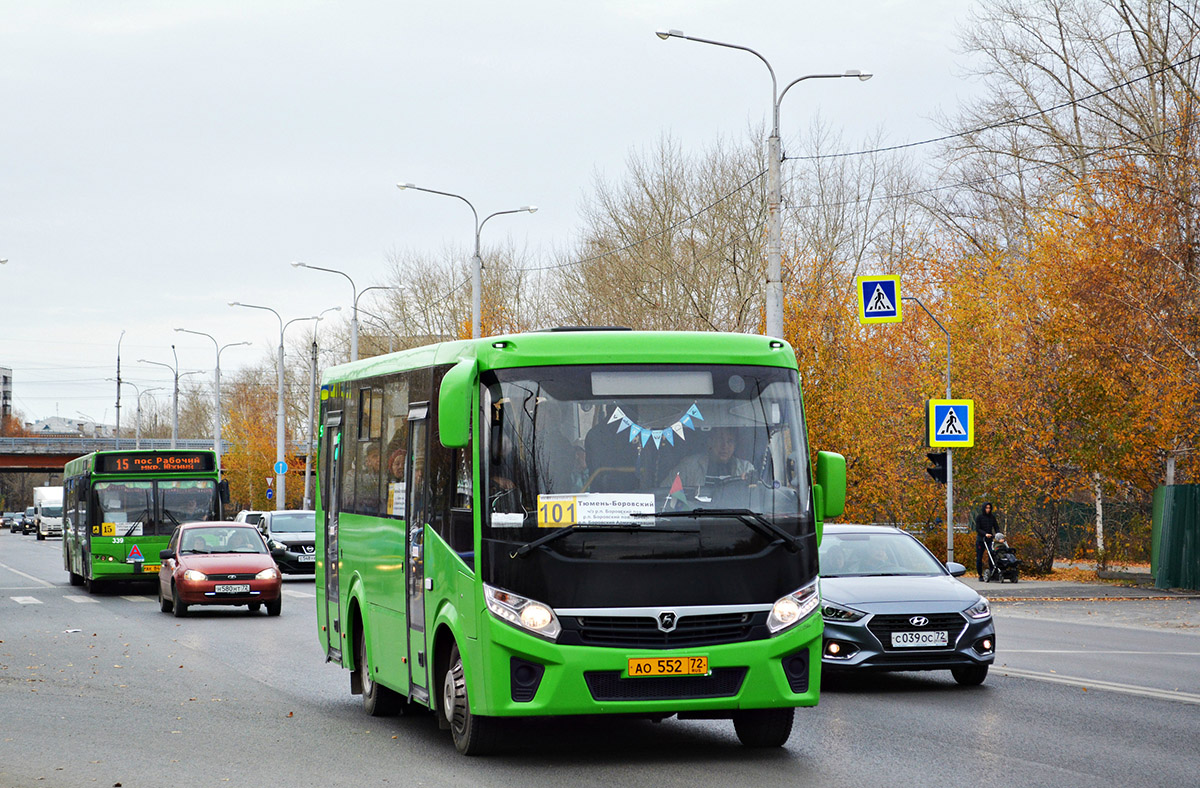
120,507
553,523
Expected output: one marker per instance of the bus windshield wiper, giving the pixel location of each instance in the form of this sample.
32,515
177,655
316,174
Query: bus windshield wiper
138,521
559,533
753,520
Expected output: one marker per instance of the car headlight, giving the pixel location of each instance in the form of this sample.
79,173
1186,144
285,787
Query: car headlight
192,574
831,611
793,608
980,609
526,614
267,574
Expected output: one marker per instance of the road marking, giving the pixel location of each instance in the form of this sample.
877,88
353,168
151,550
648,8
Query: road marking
80,599
138,599
1128,689
37,580
299,594
26,600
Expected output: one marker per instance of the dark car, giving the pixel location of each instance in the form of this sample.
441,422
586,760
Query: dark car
29,521
218,563
291,535
11,521
889,604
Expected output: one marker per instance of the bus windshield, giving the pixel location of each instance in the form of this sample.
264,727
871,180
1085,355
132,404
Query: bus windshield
637,463
131,507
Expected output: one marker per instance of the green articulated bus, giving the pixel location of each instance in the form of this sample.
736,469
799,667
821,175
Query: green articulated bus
573,522
120,507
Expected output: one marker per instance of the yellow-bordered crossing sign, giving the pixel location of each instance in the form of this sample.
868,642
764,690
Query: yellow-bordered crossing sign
878,299
950,422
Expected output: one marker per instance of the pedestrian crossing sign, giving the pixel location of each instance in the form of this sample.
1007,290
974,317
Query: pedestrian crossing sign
950,422
878,299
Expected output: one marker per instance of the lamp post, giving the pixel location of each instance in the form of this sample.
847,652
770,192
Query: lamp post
312,405
217,375
137,440
477,268
774,294
280,479
175,397
355,295
118,435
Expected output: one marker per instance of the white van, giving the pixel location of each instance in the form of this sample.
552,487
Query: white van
48,511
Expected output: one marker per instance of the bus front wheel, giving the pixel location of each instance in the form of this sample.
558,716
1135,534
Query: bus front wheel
764,727
473,735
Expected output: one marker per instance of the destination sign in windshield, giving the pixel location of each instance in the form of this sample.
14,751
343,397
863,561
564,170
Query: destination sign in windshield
155,462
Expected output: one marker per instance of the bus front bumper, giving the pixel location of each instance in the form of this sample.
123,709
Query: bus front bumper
526,676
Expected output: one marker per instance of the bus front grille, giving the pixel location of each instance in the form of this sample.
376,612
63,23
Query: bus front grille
644,632
607,685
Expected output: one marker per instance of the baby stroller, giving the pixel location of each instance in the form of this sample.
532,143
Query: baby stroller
1004,564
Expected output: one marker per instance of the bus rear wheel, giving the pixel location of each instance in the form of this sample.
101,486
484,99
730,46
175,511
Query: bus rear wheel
764,727
76,580
473,735
378,700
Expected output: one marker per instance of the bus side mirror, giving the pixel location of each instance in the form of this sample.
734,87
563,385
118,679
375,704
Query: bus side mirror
223,490
454,405
831,475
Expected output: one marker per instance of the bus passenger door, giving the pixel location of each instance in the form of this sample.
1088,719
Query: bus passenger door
331,470
416,516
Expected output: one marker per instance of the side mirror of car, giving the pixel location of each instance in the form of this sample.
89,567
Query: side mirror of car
956,569
163,555
279,552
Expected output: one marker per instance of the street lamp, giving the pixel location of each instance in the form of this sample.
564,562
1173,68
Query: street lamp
477,269
137,440
312,405
774,295
175,398
355,295
117,445
220,348
280,479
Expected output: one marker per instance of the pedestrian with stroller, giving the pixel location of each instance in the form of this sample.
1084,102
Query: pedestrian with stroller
985,530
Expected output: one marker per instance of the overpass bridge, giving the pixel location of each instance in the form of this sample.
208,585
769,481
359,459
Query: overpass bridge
39,455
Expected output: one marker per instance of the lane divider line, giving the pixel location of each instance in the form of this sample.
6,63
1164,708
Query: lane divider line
1109,686
37,580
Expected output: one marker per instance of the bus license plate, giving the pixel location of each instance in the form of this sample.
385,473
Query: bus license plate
150,568
919,639
232,588
668,666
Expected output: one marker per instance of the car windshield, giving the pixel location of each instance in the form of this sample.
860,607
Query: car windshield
52,511
885,554
231,539
294,523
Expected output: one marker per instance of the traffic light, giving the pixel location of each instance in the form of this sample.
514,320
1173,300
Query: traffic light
938,469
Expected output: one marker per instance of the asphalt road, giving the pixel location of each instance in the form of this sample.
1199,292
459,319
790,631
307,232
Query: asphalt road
107,691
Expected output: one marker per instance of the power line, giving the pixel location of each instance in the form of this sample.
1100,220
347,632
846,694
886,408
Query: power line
997,124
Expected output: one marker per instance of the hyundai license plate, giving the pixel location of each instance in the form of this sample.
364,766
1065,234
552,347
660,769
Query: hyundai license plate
668,666
232,588
920,639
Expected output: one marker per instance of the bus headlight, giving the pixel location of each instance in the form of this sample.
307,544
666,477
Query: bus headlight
793,608
192,574
526,614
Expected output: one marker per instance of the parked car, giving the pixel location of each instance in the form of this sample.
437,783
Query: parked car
291,535
29,520
889,604
248,516
218,563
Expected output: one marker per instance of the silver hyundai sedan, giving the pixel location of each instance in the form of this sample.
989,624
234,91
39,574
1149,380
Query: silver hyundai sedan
888,604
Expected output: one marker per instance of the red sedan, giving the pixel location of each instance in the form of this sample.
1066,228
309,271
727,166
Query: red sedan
218,563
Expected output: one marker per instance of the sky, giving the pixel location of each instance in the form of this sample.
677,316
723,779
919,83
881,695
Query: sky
161,159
